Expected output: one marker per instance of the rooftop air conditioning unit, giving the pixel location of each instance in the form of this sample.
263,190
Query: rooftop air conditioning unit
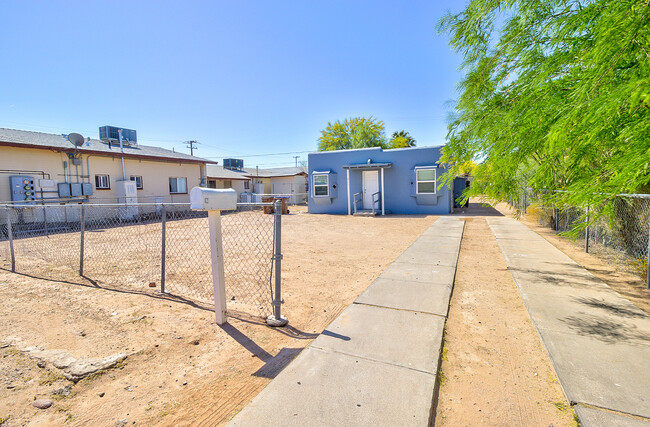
233,164
111,134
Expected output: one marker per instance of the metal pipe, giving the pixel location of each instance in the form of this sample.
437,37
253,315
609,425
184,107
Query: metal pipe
277,319
587,232
647,279
45,219
81,243
163,249
119,132
10,236
65,171
88,166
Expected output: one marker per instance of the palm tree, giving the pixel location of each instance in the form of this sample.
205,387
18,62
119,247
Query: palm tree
401,139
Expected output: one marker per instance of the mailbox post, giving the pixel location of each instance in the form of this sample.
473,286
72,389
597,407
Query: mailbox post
214,201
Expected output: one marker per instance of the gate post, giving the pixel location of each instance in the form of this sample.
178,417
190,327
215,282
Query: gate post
277,319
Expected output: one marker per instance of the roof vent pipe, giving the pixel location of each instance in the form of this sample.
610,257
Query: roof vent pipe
122,151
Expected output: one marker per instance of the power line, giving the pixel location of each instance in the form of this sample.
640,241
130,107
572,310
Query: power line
269,154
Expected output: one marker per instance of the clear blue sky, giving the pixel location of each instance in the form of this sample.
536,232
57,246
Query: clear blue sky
241,77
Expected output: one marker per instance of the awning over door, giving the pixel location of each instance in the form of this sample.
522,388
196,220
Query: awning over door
368,166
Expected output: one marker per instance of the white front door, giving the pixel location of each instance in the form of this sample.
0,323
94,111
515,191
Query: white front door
370,187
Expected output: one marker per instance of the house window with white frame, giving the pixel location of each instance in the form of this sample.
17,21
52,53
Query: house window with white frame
102,182
425,180
321,185
178,185
138,181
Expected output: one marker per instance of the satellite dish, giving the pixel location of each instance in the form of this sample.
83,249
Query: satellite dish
76,139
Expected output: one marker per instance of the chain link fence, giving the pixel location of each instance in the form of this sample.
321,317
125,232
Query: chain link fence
163,245
621,235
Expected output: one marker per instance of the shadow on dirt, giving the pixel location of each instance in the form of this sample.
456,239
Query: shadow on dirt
272,364
87,282
477,209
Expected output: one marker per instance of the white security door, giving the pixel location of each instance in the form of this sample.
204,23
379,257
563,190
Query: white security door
370,187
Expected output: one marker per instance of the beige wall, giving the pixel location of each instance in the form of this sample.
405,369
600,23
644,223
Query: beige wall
236,184
155,174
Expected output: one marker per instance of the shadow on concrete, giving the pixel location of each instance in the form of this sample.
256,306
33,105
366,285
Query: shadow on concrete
609,307
606,330
335,335
566,279
276,364
477,209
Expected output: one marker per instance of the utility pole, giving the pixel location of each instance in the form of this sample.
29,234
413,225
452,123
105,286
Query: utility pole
296,158
191,146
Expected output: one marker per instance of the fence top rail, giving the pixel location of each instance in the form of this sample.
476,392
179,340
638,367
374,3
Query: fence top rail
632,195
119,205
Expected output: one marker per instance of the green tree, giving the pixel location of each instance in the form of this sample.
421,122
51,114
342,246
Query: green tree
401,139
357,132
555,94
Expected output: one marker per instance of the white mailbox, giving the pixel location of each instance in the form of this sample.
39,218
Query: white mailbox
212,199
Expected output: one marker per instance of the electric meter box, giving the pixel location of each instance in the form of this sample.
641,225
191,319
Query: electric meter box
210,199
87,189
64,189
22,189
75,189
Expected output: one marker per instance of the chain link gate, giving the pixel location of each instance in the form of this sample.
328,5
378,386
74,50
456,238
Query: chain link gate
142,245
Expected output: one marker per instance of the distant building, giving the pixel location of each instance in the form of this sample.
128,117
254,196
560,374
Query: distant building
378,181
59,171
252,184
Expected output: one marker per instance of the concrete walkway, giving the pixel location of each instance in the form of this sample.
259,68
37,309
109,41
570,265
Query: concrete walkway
376,363
598,342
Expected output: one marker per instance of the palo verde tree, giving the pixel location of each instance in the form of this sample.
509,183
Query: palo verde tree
357,132
401,139
555,95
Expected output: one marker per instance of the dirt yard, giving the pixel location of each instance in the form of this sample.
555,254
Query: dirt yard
181,368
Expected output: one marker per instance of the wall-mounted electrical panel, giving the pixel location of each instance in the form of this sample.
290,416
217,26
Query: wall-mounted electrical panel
75,189
64,189
22,189
87,189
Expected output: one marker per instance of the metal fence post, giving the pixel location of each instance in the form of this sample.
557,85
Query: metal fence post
525,201
276,319
647,278
10,236
163,249
587,232
45,219
81,244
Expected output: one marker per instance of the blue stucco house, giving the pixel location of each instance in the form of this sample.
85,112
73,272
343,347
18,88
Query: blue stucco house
377,181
